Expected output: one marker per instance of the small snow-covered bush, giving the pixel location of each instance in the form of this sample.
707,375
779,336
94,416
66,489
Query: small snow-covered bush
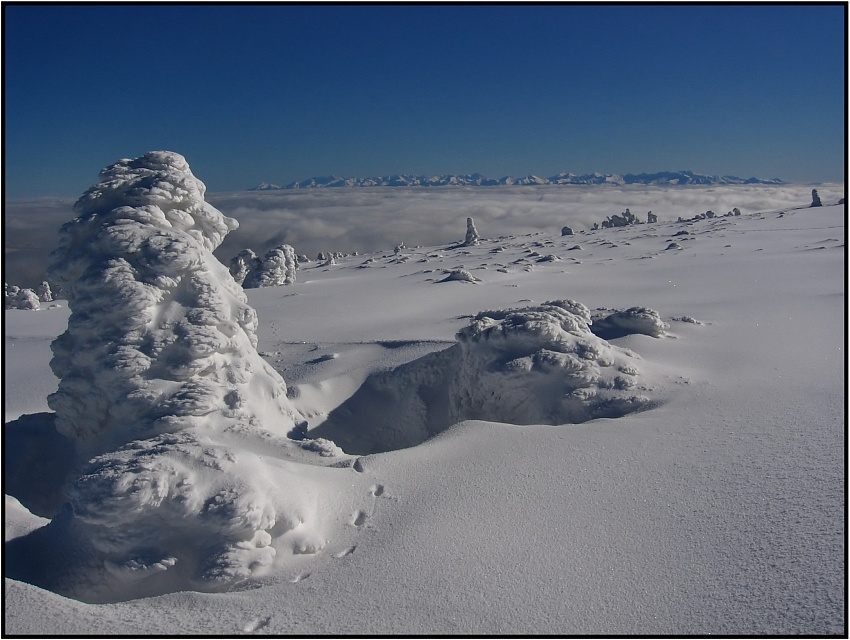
26,299
630,321
460,275
532,365
541,365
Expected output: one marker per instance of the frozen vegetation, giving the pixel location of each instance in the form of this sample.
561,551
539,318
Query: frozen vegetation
180,427
275,268
620,440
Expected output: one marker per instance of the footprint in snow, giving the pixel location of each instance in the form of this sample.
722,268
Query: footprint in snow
346,552
256,624
300,577
359,518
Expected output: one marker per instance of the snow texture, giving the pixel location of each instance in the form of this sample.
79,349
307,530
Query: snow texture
161,387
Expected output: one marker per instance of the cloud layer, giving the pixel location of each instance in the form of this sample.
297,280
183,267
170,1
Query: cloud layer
377,219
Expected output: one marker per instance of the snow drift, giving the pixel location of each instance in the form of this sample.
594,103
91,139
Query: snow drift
190,472
534,365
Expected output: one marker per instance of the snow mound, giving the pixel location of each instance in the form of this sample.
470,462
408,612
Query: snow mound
630,321
163,391
533,365
460,275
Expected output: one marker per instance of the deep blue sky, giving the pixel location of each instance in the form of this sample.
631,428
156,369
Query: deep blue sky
277,93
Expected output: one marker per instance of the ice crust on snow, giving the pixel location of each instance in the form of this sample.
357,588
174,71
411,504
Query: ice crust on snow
163,391
533,365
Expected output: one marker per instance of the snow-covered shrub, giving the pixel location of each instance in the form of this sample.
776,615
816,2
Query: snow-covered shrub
472,237
242,264
11,295
160,384
44,292
460,275
541,365
533,365
630,321
26,299
277,267
566,231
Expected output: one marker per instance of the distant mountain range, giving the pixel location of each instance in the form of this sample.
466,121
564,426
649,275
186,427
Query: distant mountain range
477,180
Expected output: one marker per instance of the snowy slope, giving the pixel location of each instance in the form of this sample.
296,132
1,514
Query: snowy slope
717,508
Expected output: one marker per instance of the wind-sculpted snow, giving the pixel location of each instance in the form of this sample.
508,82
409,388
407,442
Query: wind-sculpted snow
162,386
533,365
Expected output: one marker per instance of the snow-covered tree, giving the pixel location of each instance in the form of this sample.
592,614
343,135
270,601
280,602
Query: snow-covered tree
162,388
26,299
277,267
11,295
815,199
44,292
472,237
242,264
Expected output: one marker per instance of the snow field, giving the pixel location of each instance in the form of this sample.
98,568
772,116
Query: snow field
717,509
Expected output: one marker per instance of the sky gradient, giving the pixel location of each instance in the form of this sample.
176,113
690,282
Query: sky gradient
252,93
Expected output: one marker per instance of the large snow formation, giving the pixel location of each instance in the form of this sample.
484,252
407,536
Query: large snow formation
534,365
190,472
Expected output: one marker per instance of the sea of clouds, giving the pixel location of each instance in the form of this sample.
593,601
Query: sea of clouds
379,218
